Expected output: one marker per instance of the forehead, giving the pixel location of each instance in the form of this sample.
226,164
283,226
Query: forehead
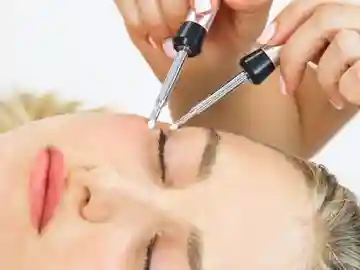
258,200
270,221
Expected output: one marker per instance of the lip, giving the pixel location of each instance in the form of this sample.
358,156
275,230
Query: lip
47,180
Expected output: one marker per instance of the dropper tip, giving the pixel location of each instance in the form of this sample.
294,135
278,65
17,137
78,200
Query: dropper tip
151,124
174,126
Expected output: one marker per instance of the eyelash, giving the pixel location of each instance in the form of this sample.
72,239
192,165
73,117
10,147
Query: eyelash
149,251
162,141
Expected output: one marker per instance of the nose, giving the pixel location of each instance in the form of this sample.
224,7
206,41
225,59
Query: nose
111,197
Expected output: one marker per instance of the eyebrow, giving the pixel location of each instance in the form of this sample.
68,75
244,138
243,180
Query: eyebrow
195,249
208,158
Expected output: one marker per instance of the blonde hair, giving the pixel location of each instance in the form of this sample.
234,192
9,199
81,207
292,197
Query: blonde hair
25,107
337,210
337,220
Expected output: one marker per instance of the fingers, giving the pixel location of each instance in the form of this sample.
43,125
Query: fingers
312,37
204,6
296,13
349,85
174,13
153,21
130,13
341,54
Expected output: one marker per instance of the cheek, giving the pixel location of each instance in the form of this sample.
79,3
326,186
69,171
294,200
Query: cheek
14,190
130,152
81,247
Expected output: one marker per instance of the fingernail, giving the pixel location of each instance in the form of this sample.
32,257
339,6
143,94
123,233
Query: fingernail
202,6
283,86
168,48
337,104
152,43
267,34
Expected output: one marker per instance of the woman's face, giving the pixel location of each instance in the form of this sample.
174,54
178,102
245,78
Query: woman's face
89,191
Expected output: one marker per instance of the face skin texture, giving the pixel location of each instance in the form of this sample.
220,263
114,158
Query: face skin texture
246,208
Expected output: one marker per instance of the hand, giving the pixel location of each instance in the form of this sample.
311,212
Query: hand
151,22
327,33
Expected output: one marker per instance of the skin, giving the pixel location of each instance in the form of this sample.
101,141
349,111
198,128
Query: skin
114,199
332,44
262,112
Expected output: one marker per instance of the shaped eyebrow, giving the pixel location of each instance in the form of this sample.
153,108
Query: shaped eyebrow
208,158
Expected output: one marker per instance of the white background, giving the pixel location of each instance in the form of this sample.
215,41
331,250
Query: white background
80,49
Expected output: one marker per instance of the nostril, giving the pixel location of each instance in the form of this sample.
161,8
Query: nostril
95,188
184,153
108,197
85,201
97,208
87,196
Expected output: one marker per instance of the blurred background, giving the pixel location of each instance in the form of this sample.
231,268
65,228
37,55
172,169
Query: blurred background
80,49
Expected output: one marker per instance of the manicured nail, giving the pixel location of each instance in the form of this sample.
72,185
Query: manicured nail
267,34
283,86
152,42
337,104
168,48
202,6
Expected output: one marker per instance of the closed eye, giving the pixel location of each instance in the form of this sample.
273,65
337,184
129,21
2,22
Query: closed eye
149,253
161,149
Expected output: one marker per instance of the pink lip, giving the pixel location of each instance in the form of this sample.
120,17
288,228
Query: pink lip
47,180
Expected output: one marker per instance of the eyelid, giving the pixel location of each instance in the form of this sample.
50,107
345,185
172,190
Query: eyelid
190,156
149,252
